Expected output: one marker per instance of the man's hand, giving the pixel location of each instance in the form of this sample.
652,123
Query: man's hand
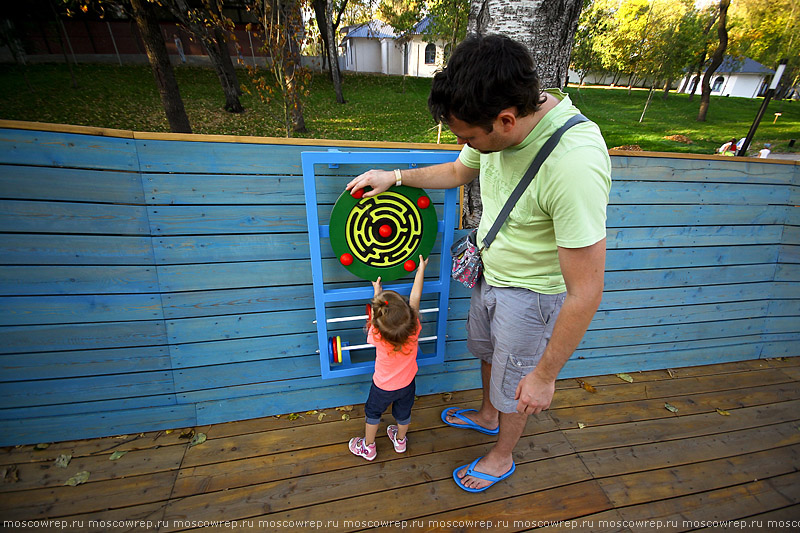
379,180
534,394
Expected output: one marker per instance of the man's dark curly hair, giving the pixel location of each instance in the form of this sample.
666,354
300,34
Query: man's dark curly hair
485,75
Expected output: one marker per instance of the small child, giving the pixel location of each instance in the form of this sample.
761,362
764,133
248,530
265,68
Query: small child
393,327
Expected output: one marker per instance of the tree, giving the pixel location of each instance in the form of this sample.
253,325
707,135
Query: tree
448,21
716,59
324,14
147,22
594,22
547,28
280,25
207,25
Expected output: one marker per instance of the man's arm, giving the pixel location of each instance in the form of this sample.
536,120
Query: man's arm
583,270
442,176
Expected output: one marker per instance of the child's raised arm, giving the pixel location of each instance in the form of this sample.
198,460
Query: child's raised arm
416,289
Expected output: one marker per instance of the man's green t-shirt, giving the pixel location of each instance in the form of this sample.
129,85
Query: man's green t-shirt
565,205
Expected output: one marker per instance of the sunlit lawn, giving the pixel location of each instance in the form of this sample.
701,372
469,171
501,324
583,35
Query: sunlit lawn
379,108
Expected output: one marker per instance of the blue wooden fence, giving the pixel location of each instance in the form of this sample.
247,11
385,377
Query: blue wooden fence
149,282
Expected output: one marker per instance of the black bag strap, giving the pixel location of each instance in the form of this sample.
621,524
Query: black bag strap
543,154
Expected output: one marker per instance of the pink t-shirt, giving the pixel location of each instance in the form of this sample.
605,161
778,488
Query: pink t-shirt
394,369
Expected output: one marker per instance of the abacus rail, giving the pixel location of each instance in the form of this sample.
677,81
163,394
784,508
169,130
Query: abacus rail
364,317
365,346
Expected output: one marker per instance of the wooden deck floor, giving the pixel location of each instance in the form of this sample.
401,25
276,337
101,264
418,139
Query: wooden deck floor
612,460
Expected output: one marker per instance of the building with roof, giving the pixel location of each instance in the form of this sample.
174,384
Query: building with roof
741,77
375,47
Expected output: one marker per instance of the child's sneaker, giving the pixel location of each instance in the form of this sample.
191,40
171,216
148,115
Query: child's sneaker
358,447
399,445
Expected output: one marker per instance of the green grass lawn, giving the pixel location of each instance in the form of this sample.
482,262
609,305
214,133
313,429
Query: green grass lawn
379,108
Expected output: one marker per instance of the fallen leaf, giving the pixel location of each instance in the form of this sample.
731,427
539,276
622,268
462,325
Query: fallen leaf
41,446
321,416
186,434
447,396
585,386
625,377
671,373
200,438
346,408
293,416
581,425
11,474
312,412
117,455
169,431
62,461
345,417
670,408
723,412
78,479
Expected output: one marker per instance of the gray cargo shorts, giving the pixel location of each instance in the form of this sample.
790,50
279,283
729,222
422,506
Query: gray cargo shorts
509,328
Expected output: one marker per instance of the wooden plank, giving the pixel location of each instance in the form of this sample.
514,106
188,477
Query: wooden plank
30,249
696,194
642,487
84,389
30,280
676,236
56,337
96,424
55,149
187,249
75,363
625,216
221,219
70,185
67,309
677,168
235,301
62,217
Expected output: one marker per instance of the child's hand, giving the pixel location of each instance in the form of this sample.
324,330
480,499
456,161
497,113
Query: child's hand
376,286
422,263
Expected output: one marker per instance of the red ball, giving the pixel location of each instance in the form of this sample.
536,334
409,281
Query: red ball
423,202
346,259
385,230
358,194
410,265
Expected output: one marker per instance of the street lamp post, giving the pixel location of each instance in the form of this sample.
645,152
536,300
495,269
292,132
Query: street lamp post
767,97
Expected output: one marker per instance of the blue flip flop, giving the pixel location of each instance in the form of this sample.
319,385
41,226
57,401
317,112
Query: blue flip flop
468,424
480,475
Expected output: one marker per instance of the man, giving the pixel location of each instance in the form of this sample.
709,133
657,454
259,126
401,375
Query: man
543,277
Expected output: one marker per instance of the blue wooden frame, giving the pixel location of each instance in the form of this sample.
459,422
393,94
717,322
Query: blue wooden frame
316,231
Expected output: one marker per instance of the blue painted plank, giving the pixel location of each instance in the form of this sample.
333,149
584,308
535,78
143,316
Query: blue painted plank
85,389
236,301
789,254
667,257
788,273
214,220
685,277
94,406
69,309
64,217
233,275
97,424
624,216
679,236
698,170
211,189
77,363
70,185
791,235
28,249
30,280
187,249
53,149
238,326
649,193
17,339
241,350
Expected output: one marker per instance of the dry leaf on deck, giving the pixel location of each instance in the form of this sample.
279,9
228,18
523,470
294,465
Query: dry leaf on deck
723,412
346,408
581,425
321,416
447,396
200,438
293,416
312,412
345,417
10,474
117,455
62,461
78,479
186,434
41,446
585,386
670,408
625,377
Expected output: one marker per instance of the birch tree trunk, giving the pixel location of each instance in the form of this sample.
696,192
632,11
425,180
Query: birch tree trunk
546,28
